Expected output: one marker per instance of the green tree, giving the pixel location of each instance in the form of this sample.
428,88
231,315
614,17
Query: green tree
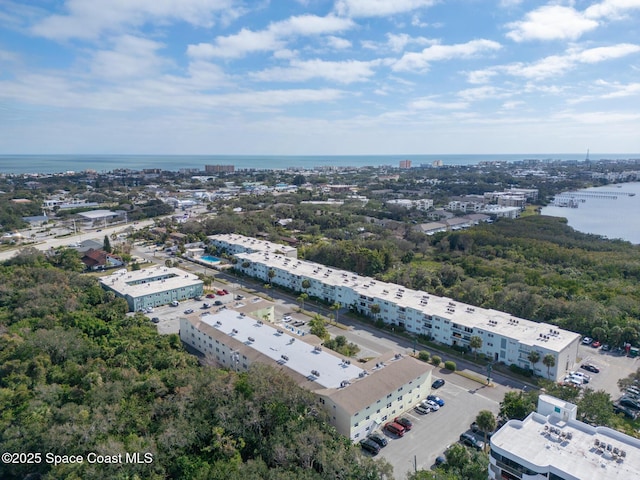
301,298
486,421
475,343
270,274
106,244
533,357
615,335
306,284
549,361
336,308
318,328
595,407
599,333
517,405
375,310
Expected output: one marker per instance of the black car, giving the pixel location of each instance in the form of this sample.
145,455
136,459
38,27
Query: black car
405,422
370,446
437,384
629,402
590,368
155,320
627,412
471,441
379,439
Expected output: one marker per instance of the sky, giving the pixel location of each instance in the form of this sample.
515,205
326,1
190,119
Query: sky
319,77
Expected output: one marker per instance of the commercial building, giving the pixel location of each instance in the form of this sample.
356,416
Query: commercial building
552,444
358,398
152,287
219,168
505,338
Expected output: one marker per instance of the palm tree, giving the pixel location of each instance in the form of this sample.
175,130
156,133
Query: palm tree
336,307
486,422
475,343
306,284
301,298
375,310
533,357
549,361
271,273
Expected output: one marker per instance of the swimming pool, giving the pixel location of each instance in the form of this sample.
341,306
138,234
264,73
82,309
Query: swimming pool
210,258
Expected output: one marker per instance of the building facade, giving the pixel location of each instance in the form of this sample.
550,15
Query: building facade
505,338
358,398
551,444
152,287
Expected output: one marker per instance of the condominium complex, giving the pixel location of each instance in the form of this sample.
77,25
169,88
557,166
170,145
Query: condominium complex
358,398
151,287
552,444
505,338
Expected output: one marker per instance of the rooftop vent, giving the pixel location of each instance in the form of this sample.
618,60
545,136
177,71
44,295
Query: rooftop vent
251,339
284,357
234,331
315,373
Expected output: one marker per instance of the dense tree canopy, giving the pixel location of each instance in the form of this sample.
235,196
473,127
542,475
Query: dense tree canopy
79,375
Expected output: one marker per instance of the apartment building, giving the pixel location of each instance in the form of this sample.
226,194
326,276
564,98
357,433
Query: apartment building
358,398
505,338
551,444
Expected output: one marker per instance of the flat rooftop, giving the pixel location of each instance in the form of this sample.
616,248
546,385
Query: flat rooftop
569,447
527,332
252,244
149,280
277,344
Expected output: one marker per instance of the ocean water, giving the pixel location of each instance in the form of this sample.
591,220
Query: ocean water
16,164
612,218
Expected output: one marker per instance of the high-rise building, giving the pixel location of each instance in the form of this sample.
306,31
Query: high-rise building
219,168
405,163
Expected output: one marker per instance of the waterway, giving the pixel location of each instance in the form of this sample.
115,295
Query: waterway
609,211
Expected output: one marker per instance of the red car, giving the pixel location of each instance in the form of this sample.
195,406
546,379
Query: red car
210,295
596,344
220,292
226,292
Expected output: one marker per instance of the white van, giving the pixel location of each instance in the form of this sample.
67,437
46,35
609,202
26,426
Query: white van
174,303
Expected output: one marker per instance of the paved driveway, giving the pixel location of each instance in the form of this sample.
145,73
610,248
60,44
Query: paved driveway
612,368
432,433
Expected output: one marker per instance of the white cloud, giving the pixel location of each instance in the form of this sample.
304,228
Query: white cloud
130,57
613,9
512,105
90,18
272,38
482,93
620,91
341,72
379,8
555,65
551,22
421,60
600,54
427,103
338,43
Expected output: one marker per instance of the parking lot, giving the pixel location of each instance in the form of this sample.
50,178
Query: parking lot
433,432
612,367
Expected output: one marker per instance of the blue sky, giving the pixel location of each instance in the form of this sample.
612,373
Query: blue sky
319,77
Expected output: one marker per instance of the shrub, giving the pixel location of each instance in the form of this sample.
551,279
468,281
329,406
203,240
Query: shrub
424,355
449,365
436,360
525,372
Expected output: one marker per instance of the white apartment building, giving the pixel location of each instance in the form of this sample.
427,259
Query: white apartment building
151,287
505,338
420,204
551,444
233,244
358,398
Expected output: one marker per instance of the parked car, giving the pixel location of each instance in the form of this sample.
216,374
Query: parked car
206,305
225,291
174,303
405,422
627,401
370,446
440,460
197,298
627,412
471,441
587,340
188,311
437,384
217,302
590,368
476,429
239,297
210,295
220,292
155,320
436,399
582,376
395,428
606,347
596,344
432,405
379,439
423,409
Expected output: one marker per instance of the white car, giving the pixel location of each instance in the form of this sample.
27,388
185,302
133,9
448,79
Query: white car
431,404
